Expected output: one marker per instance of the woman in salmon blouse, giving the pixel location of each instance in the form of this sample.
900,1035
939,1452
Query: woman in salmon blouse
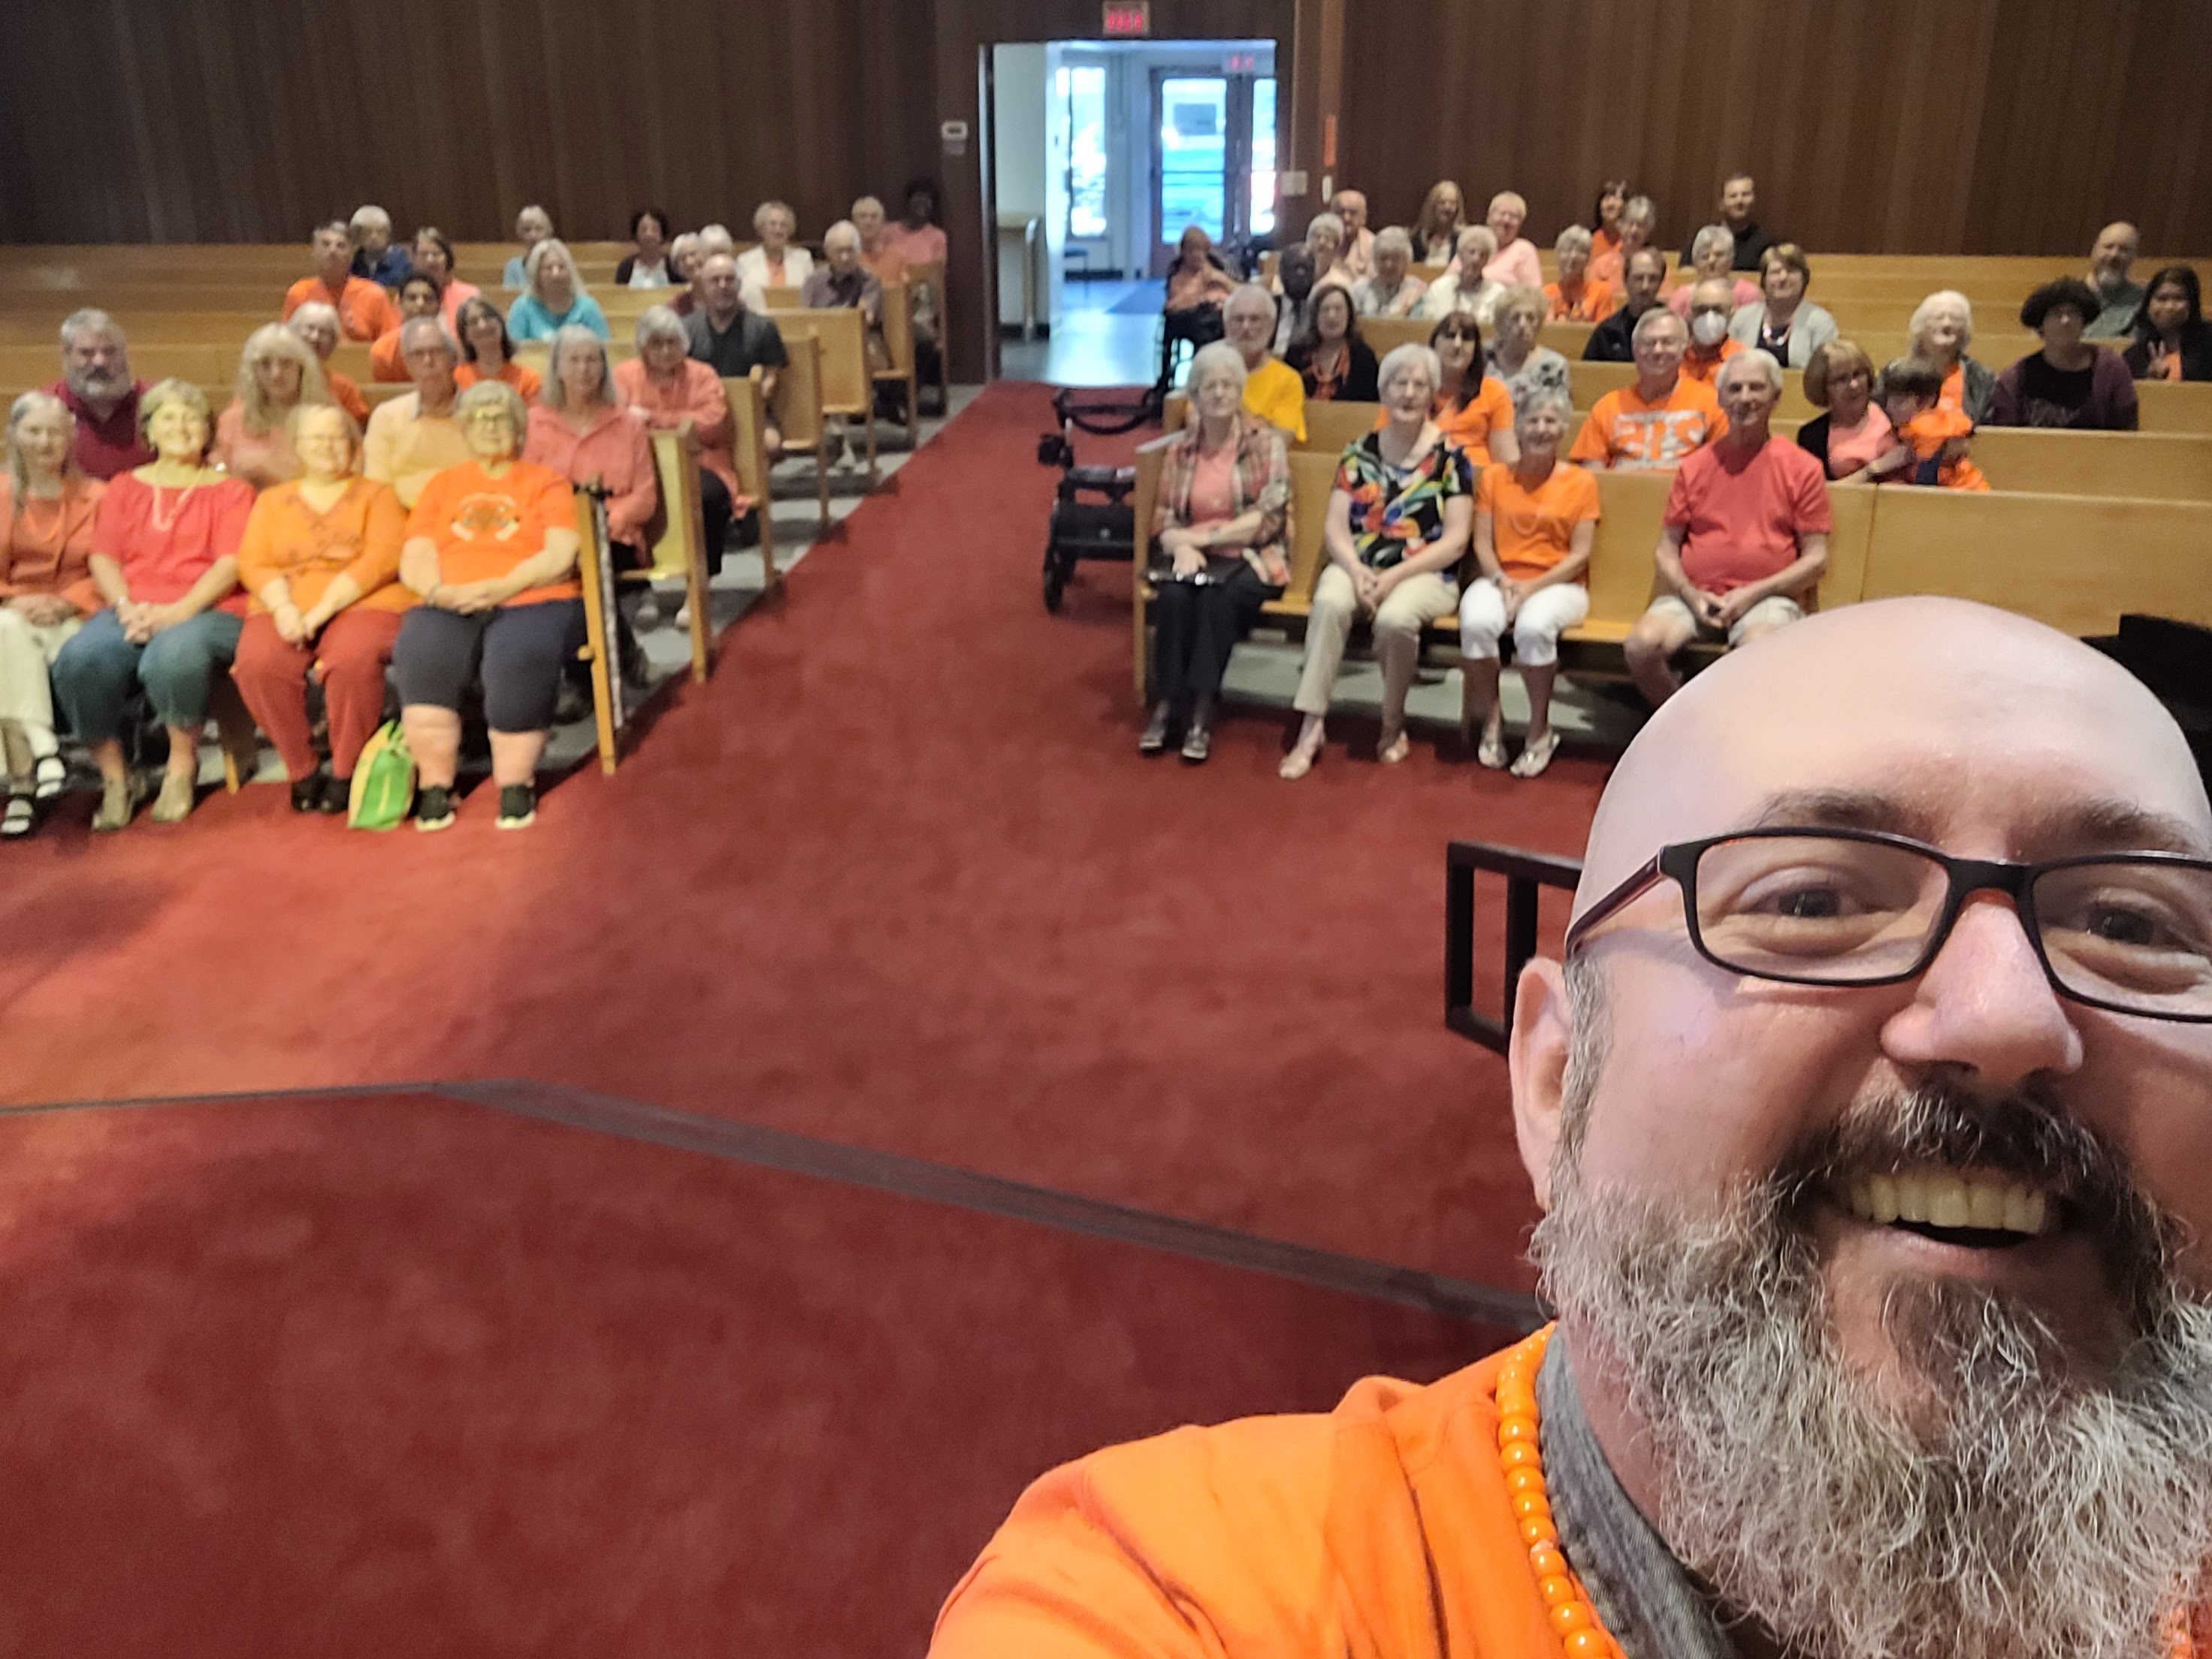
418,297
277,374
580,430
1853,431
47,508
670,391
1474,410
491,552
320,561
488,353
165,557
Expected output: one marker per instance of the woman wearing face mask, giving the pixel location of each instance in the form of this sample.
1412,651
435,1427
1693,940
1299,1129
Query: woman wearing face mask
2173,342
1785,323
1942,328
2070,383
1515,357
1219,527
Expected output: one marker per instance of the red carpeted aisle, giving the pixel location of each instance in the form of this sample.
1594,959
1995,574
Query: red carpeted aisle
895,878
398,1375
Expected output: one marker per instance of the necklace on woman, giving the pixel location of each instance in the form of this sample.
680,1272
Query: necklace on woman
166,522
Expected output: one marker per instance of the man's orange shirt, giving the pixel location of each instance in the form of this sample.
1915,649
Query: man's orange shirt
1929,430
366,312
1627,433
1594,303
385,362
1695,368
1384,1529
359,537
485,527
347,395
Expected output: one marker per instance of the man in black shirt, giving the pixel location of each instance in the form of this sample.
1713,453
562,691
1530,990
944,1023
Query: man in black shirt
1739,195
1612,341
726,337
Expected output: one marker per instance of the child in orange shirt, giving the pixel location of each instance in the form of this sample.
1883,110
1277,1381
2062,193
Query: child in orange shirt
1934,445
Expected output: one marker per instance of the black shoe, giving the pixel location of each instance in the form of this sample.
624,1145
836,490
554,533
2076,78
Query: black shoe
434,807
337,797
307,794
517,806
1155,740
1197,743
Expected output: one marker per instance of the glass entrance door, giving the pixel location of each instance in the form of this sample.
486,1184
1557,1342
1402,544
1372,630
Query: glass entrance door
1214,166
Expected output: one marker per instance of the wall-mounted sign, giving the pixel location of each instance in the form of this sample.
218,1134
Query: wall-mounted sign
1126,18
955,136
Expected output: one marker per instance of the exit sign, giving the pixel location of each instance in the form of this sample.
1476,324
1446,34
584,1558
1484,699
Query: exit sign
1127,18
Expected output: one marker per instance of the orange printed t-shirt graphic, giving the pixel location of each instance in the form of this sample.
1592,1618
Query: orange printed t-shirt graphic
1627,433
1531,531
485,527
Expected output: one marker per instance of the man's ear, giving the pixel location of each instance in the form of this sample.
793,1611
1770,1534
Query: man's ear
1543,1032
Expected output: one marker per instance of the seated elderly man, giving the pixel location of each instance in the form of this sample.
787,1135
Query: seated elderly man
1293,288
2119,298
412,438
1746,533
1357,256
1612,341
1748,243
364,311
97,390
317,326
1712,306
877,252
1865,1101
1664,417
1273,391
1393,290
841,283
374,257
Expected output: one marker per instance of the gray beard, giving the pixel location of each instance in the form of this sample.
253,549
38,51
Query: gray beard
95,387
2043,1514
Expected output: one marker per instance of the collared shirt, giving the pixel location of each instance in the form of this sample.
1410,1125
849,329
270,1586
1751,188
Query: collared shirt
858,290
390,270
109,444
1259,478
406,449
2118,315
732,352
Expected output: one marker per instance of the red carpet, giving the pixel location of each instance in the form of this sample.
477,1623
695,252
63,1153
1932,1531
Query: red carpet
896,878
394,1375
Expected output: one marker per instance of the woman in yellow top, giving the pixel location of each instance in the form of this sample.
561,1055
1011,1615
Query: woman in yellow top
491,551
277,374
320,561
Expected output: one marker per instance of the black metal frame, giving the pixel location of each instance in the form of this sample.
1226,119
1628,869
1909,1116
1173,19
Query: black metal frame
1526,875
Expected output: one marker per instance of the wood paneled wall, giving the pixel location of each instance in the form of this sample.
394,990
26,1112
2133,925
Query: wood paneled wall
1887,126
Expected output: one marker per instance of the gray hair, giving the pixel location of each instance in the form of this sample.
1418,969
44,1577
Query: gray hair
1325,222
1641,209
686,244
300,411
1944,299
1412,354
1763,362
1543,396
1489,239
1657,317
92,320
318,313
1711,237
1219,355
716,239
575,336
660,323
1521,296
1256,293
411,334
369,216
546,248
1574,238
772,205
484,394
43,403
843,231
1394,239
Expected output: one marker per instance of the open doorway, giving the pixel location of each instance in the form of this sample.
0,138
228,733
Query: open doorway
1103,152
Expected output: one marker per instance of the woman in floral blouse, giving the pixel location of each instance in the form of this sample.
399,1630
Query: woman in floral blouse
1398,525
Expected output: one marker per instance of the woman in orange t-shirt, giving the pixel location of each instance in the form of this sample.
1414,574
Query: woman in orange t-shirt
488,353
1474,410
491,551
320,559
1612,199
1574,298
1535,522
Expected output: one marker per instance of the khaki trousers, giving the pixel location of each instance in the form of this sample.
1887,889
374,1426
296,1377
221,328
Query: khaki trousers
27,697
1408,608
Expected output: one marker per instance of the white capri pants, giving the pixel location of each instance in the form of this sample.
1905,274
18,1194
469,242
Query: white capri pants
1543,617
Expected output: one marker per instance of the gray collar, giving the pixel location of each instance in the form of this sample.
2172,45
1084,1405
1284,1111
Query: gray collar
1654,1609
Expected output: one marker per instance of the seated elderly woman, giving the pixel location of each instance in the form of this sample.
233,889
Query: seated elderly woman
2071,382
532,226
646,264
1784,322
1198,284
1515,263
1393,290
418,297
1515,358
277,374
1456,290
1437,226
47,511
1396,530
1474,410
1712,258
1941,329
1536,524
1325,241
775,262
1574,298
1334,364
320,561
669,391
580,430
433,257
1638,224
488,352
165,558
1853,431
2172,340
316,326
1219,529
683,258
553,296
491,552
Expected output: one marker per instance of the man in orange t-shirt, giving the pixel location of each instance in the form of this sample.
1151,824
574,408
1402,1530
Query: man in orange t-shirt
364,311
1830,1258
1663,418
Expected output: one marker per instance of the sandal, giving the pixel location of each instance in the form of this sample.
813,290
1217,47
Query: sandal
48,776
1537,756
1297,764
1395,750
179,791
1491,751
19,819
119,802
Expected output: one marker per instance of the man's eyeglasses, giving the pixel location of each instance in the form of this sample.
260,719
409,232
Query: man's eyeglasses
2130,932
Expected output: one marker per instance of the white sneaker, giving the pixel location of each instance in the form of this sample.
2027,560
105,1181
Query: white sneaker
682,617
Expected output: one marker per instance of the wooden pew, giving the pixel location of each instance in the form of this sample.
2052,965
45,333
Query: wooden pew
595,572
929,279
898,346
2129,465
749,444
799,415
680,551
847,384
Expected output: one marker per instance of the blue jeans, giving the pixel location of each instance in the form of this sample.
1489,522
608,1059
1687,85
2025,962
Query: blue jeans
97,670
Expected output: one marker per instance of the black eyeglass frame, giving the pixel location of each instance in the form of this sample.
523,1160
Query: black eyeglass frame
1679,861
